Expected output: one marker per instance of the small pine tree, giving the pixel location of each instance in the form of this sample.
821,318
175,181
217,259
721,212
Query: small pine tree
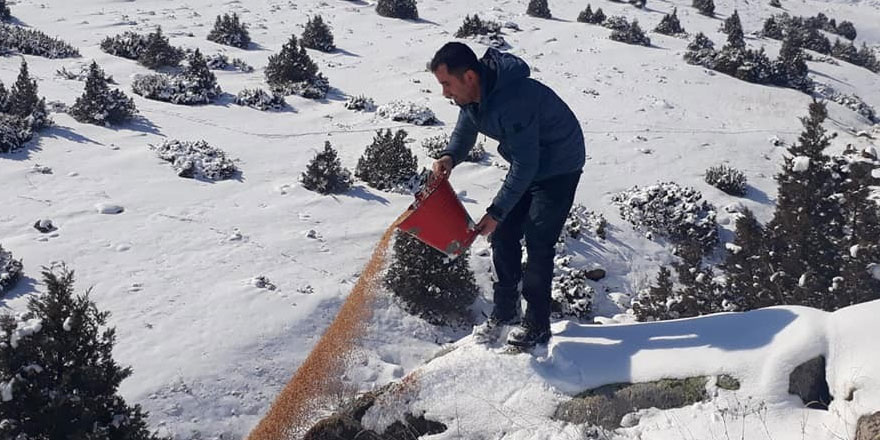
387,162
748,266
859,247
733,28
158,52
291,65
200,76
5,14
10,268
773,28
727,179
24,101
846,30
845,51
317,35
776,3
705,7
631,34
428,284
538,8
405,9
866,58
100,105
790,68
700,294
598,17
586,16
325,174
56,361
4,98
474,26
652,305
670,25
230,31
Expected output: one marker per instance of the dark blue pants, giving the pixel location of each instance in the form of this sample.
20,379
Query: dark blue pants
539,216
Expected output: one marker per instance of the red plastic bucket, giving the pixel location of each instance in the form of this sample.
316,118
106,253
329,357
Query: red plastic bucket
438,218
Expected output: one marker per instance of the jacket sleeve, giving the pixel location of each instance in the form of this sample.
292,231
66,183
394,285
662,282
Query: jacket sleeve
522,145
462,140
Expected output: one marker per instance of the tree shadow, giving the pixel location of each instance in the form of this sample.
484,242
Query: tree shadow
616,345
758,196
345,52
424,21
17,22
237,176
140,124
58,131
362,193
333,94
24,286
22,153
255,46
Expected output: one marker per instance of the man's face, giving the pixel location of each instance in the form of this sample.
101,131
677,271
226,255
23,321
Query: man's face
462,89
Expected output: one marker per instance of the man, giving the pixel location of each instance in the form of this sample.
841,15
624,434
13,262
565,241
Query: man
542,140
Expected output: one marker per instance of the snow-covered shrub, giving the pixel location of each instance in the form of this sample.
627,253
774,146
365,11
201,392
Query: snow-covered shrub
81,74
671,211
387,162
317,35
428,284
407,112
571,294
538,8
196,159
158,52
705,7
435,144
701,51
230,31
581,220
57,373
405,9
14,132
219,61
128,45
292,71
360,103
10,271
99,104
632,34
852,102
260,100
196,85
616,23
727,179
325,173
670,25
33,42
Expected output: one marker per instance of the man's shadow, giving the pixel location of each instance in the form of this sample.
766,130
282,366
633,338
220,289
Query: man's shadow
586,356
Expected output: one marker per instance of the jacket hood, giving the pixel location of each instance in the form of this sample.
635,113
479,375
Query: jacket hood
500,69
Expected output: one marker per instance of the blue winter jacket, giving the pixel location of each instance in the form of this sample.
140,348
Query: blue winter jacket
537,133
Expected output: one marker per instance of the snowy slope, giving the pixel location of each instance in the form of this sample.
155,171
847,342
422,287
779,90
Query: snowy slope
209,350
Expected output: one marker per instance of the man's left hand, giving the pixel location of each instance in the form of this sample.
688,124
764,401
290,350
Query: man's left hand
486,226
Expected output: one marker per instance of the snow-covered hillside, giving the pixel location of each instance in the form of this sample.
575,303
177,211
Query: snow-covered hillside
210,350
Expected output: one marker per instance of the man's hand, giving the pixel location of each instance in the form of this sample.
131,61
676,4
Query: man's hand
443,167
486,226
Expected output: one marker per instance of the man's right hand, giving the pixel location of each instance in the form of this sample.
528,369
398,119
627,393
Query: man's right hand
443,167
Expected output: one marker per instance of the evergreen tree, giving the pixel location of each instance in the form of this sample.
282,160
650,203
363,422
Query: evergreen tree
699,294
387,162
5,14
428,284
701,51
538,8
652,305
808,219
748,267
230,31
10,268
867,59
24,102
586,16
859,247
670,25
598,17
317,35
773,28
846,30
158,52
56,361
733,28
790,68
405,9
776,3
4,98
325,174
473,26
100,105
199,76
291,65
845,51
705,7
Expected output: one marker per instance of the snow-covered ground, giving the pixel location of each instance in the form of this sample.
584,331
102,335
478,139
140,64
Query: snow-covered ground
210,350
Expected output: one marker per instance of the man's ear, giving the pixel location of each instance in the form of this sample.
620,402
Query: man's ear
471,76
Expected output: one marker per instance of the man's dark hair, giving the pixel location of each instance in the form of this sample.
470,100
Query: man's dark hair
457,57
